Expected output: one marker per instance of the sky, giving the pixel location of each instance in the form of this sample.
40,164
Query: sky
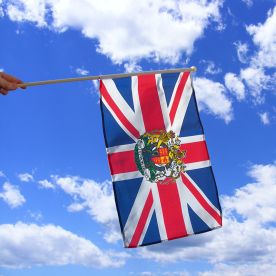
57,211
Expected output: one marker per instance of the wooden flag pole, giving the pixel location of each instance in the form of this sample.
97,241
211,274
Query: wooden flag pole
112,76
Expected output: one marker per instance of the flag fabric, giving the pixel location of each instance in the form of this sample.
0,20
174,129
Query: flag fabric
162,178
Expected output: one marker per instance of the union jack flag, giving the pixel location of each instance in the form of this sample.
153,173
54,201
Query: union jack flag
151,211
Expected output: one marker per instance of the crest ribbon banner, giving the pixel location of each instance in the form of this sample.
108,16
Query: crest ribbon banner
162,177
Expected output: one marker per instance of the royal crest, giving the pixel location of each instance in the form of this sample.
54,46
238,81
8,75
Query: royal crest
158,156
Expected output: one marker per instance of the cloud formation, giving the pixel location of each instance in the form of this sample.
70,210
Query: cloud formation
12,196
211,67
249,3
264,37
255,75
211,98
25,177
46,184
235,85
126,30
256,80
96,199
82,72
27,245
29,10
264,118
2,174
1,9
242,51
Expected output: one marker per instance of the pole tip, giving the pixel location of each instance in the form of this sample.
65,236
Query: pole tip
193,69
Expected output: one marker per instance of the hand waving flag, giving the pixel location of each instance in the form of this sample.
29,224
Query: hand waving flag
162,177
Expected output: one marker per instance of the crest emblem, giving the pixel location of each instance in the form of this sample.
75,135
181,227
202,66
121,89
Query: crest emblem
158,156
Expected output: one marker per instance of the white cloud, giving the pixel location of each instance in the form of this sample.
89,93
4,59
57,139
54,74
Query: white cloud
253,201
82,72
264,118
95,84
96,198
165,273
247,241
113,235
241,270
211,97
249,3
46,184
2,174
127,30
37,216
75,207
264,36
28,10
242,50
176,273
1,12
235,85
131,67
27,245
256,80
255,76
25,177
211,68
12,196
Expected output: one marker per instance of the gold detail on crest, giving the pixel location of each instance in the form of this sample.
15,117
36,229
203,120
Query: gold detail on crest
160,157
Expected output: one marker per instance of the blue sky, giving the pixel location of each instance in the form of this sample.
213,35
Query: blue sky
57,213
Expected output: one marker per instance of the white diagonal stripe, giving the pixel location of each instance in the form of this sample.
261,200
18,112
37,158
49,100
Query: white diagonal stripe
199,210
119,100
146,225
163,101
121,148
197,165
182,107
158,211
136,211
184,206
137,107
174,91
126,176
118,120
134,117
202,194
192,139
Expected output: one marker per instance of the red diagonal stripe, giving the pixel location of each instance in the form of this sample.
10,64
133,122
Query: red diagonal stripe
127,124
142,221
201,199
178,94
172,212
195,152
122,162
150,103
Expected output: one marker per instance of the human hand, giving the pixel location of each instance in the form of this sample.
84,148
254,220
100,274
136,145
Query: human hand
8,83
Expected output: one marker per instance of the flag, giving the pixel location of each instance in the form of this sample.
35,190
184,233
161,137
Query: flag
162,178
